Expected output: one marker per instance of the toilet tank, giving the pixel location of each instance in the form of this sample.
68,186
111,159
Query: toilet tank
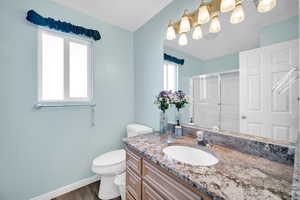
137,129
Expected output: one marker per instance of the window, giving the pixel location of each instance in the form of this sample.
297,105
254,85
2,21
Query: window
170,76
65,71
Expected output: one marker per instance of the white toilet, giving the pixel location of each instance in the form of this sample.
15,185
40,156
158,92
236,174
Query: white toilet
120,181
111,164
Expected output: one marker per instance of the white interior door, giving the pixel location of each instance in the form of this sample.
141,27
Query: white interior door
263,112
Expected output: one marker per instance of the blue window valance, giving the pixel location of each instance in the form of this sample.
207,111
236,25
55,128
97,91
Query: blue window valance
66,27
173,59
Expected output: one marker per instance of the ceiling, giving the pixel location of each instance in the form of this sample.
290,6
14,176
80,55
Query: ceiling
127,14
235,38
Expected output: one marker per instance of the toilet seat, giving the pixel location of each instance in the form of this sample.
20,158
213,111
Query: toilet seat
110,158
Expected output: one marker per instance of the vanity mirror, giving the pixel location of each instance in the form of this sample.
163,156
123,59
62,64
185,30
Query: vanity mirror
242,79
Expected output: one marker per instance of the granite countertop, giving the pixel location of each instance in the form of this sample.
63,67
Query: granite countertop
237,176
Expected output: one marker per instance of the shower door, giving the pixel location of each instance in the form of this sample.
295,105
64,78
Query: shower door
216,100
206,101
229,108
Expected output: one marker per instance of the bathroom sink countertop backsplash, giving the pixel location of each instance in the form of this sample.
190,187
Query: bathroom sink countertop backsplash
236,176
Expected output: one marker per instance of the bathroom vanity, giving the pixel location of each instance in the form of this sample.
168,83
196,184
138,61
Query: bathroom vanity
148,181
151,175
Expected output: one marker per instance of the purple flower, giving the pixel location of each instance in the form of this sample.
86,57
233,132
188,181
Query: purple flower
180,94
163,100
179,99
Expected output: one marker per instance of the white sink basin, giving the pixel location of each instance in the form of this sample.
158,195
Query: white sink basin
189,155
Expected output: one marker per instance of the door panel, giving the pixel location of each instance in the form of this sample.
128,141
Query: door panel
265,112
252,109
254,93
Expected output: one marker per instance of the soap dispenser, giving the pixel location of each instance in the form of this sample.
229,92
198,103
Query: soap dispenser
178,130
200,138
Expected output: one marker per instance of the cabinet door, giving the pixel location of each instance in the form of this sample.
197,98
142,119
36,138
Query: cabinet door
133,184
149,193
168,188
129,196
134,162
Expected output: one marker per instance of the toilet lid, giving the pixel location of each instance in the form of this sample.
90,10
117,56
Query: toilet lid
110,158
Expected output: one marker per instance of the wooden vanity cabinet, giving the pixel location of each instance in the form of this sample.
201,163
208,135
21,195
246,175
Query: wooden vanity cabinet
145,180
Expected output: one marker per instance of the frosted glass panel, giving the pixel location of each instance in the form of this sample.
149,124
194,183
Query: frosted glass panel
78,70
52,67
206,101
230,114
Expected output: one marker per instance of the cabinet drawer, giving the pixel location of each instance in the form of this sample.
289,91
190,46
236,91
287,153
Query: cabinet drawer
168,187
133,184
128,196
134,162
149,193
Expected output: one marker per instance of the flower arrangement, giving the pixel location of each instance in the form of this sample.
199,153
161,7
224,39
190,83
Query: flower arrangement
179,99
163,100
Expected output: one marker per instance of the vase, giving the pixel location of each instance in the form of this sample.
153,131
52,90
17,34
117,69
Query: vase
178,116
163,123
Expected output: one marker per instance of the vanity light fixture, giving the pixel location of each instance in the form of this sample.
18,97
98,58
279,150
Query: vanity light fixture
185,25
237,15
227,5
203,14
211,11
215,25
171,34
265,5
197,34
183,39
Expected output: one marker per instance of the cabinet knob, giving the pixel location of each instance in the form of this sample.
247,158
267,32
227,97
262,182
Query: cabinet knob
244,117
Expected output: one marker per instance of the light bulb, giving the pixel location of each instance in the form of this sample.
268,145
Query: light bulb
237,15
266,5
215,25
227,5
185,25
171,35
203,15
183,39
197,34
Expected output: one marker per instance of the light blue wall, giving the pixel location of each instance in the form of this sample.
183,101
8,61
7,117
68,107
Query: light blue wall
281,31
223,63
42,150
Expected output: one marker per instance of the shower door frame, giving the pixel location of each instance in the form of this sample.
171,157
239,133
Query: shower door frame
218,75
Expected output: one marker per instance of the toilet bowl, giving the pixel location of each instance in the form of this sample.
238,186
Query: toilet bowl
111,164
120,182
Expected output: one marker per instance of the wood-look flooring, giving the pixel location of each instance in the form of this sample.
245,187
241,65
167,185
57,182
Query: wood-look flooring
88,192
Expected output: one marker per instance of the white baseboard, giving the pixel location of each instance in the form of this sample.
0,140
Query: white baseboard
67,188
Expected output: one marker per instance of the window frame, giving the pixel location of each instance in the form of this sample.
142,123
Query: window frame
166,63
90,70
